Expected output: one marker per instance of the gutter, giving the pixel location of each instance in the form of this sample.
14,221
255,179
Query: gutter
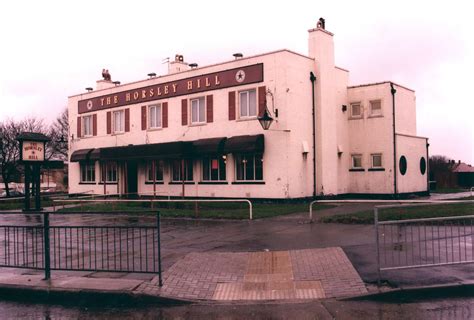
393,91
312,77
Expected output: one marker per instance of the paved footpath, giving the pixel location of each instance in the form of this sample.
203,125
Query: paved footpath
277,275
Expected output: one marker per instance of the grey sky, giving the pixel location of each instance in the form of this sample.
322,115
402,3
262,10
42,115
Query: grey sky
53,49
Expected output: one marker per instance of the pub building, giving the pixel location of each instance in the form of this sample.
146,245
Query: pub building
195,132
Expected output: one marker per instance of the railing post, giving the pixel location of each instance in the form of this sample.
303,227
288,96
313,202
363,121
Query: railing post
376,225
158,229
47,261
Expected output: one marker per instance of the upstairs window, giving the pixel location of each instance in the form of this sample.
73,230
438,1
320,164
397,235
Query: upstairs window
248,103
376,108
154,117
356,110
87,126
198,110
119,121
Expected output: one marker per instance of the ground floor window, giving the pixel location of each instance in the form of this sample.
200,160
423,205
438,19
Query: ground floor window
249,167
213,168
110,172
356,161
159,168
376,160
177,172
87,172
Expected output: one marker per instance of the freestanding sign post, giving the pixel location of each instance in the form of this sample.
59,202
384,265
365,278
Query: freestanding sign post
32,156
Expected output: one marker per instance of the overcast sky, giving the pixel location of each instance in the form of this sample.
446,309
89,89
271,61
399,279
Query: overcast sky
53,49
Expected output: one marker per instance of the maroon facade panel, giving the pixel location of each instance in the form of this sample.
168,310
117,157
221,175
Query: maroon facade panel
94,124
209,108
232,105
143,117
184,112
109,122
79,128
211,81
262,99
127,120
165,114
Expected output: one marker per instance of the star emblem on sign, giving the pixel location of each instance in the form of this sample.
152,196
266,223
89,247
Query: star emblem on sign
240,76
89,104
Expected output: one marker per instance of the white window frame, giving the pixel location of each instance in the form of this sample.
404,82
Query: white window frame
109,167
253,157
90,170
158,111
199,100
246,98
149,170
219,159
87,119
372,160
353,164
121,128
379,111
358,116
188,165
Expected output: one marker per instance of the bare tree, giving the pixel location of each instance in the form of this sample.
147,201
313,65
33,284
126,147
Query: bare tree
58,132
441,171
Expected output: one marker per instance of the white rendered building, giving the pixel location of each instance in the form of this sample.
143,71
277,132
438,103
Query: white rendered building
195,131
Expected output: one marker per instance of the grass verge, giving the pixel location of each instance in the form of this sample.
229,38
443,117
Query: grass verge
428,211
205,210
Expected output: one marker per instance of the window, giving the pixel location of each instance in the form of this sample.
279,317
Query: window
198,110
177,170
154,117
110,172
213,169
248,103
356,110
87,172
159,166
422,165
375,108
356,161
119,121
87,126
403,165
376,160
249,167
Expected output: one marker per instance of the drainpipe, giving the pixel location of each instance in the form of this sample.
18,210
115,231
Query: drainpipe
427,167
395,193
312,77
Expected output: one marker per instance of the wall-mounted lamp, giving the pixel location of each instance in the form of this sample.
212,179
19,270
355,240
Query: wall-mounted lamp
116,83
344,108
152,75
265,120
89,89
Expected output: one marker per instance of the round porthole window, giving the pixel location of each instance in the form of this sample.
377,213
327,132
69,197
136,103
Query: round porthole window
403,165
422,165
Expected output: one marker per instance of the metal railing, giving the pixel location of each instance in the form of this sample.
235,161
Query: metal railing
151,201
39,244
426,242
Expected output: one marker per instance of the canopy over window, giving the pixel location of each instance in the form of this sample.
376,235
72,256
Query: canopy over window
245,144
80,155
209,146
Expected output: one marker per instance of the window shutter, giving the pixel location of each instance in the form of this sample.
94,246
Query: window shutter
94,124
127,120
261,100
109,122
232,105
164,108
143,117
79,128
209,108
184,112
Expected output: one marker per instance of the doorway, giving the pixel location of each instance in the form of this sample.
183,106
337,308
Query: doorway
132,178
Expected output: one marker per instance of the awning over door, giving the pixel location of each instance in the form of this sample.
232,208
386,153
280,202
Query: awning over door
245,144
80,155
209,146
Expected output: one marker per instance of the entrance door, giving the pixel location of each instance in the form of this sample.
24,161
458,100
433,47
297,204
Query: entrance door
132,178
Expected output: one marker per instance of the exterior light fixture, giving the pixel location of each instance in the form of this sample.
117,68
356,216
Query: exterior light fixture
152,75
89,89
265,120
116,83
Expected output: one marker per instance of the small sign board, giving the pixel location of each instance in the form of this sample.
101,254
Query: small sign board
32,151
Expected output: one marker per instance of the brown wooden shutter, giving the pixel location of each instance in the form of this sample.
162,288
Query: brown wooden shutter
143,117
94,124
127,120
262,97
79,128
109,122
184,112
165,114
232,105
209,108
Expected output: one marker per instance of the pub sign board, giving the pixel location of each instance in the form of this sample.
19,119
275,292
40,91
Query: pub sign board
32,147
